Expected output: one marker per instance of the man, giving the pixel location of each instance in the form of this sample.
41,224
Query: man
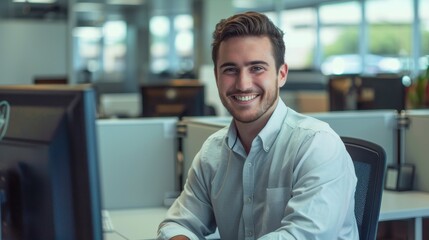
273,173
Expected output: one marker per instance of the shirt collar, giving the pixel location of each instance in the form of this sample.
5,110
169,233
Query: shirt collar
269,133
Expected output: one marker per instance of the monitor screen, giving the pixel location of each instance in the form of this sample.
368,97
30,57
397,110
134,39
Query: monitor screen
367,92
180,98
48,163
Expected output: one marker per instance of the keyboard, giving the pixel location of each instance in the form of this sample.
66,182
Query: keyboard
107,221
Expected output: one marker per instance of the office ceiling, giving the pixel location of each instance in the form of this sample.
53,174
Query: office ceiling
58,9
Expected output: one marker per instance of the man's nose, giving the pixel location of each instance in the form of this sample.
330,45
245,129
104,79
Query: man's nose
244,81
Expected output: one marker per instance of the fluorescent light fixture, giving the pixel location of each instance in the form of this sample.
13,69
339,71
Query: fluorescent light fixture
125,2
35,1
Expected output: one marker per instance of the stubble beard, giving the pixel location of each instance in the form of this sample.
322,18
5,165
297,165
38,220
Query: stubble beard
236,114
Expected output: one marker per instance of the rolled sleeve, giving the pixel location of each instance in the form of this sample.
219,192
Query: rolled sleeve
169,230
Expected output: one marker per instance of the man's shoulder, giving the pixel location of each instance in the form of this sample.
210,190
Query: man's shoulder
298,121
216,139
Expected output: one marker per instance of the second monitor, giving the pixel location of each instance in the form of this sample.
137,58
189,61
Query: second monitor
367,92
174,98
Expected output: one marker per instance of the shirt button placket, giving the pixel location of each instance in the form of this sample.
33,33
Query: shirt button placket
248,189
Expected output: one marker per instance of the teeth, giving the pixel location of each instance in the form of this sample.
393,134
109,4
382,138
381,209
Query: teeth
245,98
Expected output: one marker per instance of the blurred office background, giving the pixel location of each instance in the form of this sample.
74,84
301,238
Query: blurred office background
118,45
121,45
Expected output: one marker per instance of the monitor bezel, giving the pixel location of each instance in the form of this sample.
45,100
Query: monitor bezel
79,114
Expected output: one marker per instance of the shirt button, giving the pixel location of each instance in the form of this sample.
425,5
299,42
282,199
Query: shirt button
249,233
249,199
250,164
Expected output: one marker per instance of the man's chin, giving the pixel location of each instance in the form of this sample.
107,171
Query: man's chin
245,118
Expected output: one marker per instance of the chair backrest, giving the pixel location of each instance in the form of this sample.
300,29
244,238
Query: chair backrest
369,160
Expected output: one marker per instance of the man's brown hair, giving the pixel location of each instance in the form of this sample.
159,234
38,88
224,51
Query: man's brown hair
249,24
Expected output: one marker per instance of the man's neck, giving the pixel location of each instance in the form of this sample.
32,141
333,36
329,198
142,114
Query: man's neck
248,131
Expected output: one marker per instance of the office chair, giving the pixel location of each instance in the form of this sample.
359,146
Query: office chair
369,160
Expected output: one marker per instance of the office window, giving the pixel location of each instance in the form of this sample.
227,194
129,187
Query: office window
115,33
263,6
424,47
172,46
160,29
339,36
184,43
88,52
390,35
299,26
101,52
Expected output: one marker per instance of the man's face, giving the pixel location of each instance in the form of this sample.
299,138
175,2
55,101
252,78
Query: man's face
246,77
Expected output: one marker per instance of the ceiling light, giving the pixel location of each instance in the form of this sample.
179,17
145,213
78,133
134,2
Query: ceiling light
35,1
125,2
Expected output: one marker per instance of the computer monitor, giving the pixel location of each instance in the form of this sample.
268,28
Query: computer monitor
175,98
353,92
48,163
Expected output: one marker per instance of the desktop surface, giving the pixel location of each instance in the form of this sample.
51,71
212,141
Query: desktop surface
141,223
404,205
137,224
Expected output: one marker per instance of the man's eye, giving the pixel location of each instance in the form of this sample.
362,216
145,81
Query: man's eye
230,70
256,69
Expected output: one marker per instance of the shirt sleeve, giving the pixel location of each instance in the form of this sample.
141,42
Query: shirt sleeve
191,214
322,202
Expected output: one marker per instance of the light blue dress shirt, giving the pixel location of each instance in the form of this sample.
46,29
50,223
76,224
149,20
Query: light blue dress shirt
297,182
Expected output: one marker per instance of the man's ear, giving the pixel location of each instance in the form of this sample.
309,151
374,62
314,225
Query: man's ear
282,74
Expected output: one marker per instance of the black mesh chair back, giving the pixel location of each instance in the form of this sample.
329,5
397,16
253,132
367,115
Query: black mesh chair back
369,160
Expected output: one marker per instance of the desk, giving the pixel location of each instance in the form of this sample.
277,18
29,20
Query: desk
137,224
411,205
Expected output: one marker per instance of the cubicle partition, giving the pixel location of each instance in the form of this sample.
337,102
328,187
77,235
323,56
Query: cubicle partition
416,147
137,161
197,131
378,126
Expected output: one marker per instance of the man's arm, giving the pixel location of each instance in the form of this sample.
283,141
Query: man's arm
191,215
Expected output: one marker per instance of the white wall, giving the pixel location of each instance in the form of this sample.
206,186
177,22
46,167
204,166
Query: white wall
30,48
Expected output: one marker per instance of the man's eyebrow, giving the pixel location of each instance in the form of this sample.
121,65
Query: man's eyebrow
229,64
257,62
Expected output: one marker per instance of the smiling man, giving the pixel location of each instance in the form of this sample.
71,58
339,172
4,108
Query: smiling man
273,173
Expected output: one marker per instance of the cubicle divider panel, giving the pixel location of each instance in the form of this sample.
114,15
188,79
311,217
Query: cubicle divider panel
198,129
377,126
417,147
137,161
